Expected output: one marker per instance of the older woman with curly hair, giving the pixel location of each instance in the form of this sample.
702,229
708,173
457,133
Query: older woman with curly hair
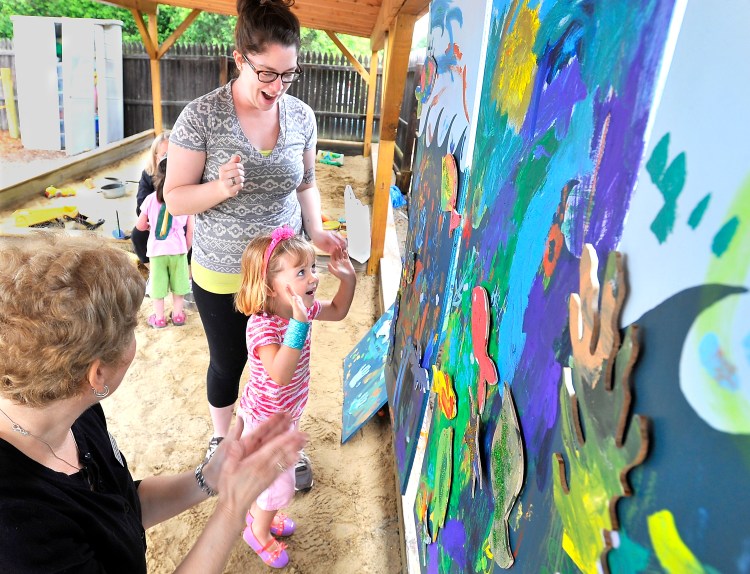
68,310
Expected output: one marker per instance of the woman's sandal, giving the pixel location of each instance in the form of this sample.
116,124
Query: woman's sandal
157,323
178,319
272,553
281,525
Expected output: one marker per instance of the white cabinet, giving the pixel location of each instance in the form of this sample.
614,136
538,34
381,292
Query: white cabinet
69,79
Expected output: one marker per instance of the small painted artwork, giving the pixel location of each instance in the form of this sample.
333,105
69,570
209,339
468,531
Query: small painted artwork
364,378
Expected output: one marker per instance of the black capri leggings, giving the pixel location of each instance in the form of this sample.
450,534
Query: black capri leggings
225,331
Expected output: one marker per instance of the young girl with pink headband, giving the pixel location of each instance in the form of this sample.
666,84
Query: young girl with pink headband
279,282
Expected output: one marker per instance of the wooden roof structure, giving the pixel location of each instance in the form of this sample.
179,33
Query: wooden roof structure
389,24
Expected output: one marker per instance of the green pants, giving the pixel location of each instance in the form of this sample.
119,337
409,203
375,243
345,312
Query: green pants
169,273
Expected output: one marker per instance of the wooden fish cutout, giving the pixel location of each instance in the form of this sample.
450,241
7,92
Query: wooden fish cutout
480,335
443,388
506,476
449,190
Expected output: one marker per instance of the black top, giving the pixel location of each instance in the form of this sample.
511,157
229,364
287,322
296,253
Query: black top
87,522
145,188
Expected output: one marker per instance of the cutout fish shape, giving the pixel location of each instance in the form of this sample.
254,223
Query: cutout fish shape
449,190
443,388
506,476
480,335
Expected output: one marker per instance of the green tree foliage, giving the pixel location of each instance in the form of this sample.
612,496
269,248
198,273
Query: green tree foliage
208,28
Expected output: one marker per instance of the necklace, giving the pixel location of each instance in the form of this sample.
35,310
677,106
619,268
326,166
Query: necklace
22,431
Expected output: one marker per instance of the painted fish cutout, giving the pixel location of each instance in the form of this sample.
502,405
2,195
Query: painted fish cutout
449,190
446,396
471,438
506,476
410,359
480,335
443,477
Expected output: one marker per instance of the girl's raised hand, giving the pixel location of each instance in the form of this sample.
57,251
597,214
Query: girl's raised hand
299,311
232,176
340,265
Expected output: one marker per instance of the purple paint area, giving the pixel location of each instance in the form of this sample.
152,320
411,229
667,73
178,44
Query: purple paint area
495,237
433,558
453,542
556,101
539,369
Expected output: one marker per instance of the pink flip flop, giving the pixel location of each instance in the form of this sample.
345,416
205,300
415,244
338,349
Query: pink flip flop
275,558
157,323
281,525
178,319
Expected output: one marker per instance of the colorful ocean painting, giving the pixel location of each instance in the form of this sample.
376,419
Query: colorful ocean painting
364,378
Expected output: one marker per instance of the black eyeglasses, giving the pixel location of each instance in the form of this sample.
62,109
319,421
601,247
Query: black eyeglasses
267,76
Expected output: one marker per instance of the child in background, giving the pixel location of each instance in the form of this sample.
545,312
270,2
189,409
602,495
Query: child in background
169,240
146,188
279,280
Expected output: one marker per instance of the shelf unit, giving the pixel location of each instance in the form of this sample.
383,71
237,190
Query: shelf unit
69,79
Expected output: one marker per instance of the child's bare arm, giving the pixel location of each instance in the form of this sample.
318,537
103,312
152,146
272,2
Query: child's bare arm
142,223
280,361
340,267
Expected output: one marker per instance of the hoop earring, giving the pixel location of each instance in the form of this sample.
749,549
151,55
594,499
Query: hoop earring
101,395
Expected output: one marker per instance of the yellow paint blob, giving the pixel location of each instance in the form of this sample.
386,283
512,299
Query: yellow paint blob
673,554
516,66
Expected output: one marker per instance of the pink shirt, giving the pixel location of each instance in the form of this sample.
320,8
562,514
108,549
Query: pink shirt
261,396
175,243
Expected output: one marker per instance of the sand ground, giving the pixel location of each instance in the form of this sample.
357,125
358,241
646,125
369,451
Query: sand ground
348,522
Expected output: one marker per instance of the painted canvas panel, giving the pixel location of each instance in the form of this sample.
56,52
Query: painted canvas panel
446,95
566,97
687,243
364,379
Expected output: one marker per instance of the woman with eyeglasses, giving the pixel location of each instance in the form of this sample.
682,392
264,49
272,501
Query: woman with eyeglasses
68,311
242,159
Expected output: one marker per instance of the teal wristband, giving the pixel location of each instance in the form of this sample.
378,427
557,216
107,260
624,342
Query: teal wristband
296,334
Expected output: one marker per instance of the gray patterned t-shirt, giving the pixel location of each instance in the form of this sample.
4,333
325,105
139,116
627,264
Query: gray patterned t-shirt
268,198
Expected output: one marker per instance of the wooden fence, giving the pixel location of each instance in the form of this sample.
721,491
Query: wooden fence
329,85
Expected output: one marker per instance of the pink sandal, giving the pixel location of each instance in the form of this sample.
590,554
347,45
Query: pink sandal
178,319
272,553
157,323
281,525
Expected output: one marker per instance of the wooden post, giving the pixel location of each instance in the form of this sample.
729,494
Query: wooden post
155,73
372,86
10,102
150,39
399,44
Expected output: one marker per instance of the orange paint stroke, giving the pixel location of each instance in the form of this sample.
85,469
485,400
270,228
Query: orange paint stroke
599,155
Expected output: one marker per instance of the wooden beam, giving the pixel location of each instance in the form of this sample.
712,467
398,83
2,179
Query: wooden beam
400,36
389,9
153,33
372,86
349,56
177,33
77,167
150,47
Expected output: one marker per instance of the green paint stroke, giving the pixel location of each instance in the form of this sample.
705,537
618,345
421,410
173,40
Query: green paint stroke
669,181
673,554
629,556
699,211
442,486
731,268
724,236
506,476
